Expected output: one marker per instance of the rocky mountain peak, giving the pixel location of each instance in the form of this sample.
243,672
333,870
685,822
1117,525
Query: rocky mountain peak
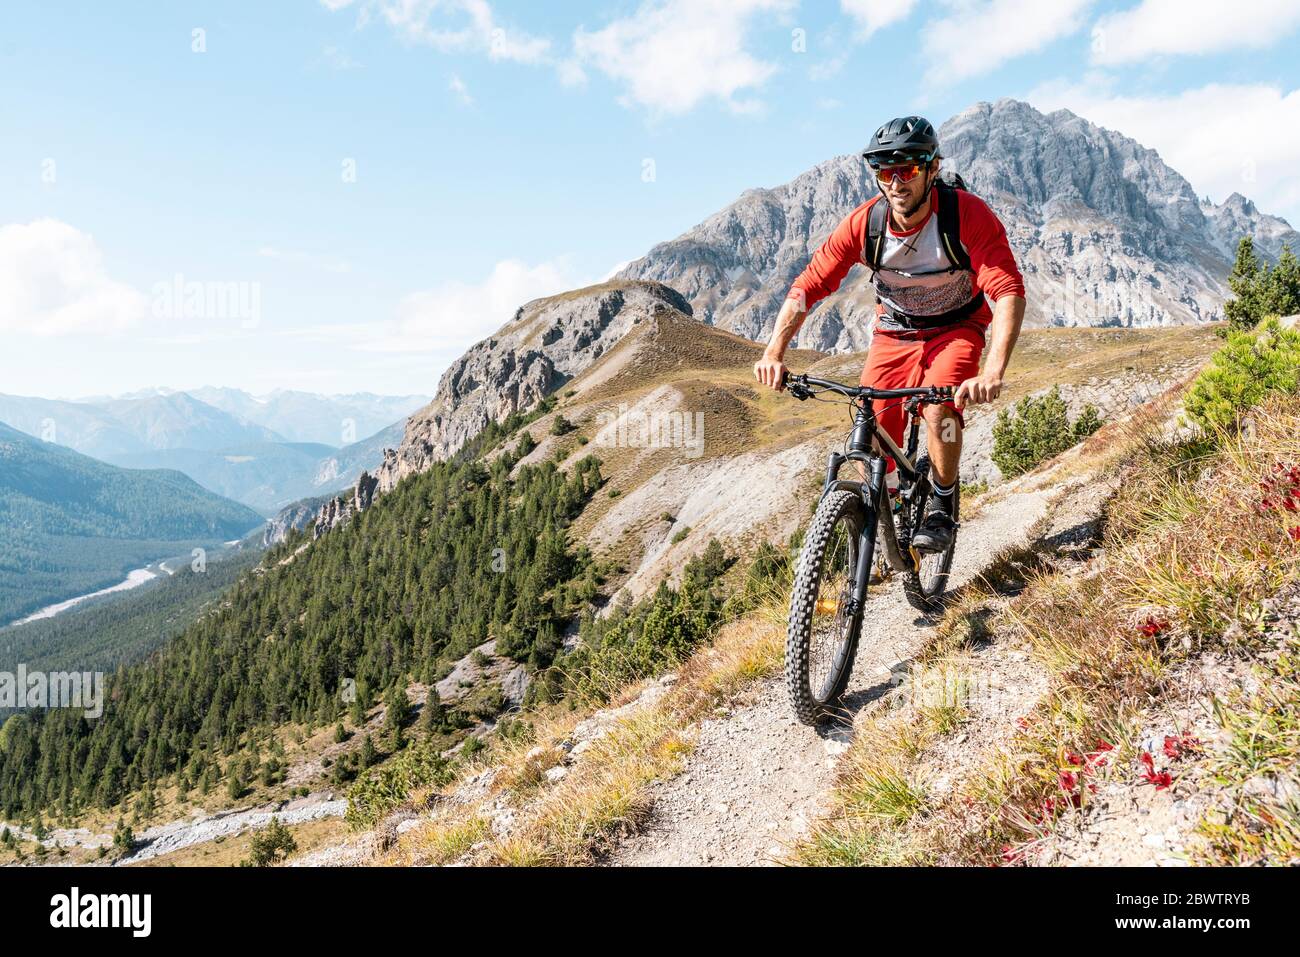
1105,231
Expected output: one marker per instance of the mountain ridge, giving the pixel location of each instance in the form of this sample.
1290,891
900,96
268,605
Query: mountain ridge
1087,212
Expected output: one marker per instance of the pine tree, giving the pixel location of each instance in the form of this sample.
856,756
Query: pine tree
1245,310
1282,288
433,716
237,784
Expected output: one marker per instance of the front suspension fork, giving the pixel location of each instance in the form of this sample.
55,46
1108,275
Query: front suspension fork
871,497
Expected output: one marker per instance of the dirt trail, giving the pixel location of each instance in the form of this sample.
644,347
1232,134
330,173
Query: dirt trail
757,779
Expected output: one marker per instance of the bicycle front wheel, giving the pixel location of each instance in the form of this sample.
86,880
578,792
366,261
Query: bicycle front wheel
823,632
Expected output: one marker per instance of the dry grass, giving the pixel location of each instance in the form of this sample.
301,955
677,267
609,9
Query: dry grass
1257,767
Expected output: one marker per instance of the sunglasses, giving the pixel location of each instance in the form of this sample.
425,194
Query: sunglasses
906,172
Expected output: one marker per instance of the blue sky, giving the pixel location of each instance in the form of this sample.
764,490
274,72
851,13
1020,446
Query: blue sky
348,194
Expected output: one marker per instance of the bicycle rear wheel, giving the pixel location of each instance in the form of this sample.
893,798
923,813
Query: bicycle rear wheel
823,632
924,586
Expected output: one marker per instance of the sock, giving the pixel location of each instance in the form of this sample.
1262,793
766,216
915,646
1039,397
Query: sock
943,495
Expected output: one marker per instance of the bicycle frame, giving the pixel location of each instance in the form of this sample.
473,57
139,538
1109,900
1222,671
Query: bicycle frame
868,445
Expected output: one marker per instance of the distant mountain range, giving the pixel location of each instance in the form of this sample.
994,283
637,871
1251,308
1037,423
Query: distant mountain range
70,524
334,420
263,451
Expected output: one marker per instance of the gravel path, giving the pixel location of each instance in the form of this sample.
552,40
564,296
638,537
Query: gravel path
757,778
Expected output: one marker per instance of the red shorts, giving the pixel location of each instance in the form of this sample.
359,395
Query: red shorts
945,356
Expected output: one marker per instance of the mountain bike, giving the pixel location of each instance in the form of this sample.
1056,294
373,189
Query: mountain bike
840,546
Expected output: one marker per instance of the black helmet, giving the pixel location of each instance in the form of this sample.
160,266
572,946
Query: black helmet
905,138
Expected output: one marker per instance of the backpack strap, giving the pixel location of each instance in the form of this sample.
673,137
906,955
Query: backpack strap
949,213
873,235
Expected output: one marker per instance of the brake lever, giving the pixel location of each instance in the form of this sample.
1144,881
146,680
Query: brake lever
798,391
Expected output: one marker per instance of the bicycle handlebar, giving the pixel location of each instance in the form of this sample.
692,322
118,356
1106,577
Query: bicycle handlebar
800,385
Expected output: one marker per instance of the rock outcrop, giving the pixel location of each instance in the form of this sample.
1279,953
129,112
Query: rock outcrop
547,343
291,518
339,509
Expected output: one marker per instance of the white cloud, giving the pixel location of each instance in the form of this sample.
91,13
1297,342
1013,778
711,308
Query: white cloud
451,26
455,314
673,54
457,86
53,282
873,15
1223,138
1156,27
978,37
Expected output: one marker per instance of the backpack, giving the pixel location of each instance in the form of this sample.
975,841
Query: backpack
947,185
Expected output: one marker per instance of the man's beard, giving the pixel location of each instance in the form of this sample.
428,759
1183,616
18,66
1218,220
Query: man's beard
910,210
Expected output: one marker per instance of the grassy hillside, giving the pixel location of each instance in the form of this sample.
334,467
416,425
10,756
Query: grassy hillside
397,596
70,524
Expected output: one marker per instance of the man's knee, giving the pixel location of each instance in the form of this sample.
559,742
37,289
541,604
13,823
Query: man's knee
943,422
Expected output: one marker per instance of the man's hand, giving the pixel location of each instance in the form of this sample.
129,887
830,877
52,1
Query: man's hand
984,387
770,371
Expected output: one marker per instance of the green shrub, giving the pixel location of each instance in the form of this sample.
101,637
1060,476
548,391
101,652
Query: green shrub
659,631
1037,429
1249,365
561,426
380,789
273,844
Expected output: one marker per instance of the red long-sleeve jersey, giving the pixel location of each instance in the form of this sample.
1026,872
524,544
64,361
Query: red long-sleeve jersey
915,275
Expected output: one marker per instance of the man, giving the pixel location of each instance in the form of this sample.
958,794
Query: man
933,274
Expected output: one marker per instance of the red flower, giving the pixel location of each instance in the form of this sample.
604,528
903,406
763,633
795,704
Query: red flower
1176,747
1152,626
1294,533
1161,779
1073,758
1068,781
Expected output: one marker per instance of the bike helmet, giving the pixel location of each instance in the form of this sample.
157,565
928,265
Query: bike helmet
902,139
